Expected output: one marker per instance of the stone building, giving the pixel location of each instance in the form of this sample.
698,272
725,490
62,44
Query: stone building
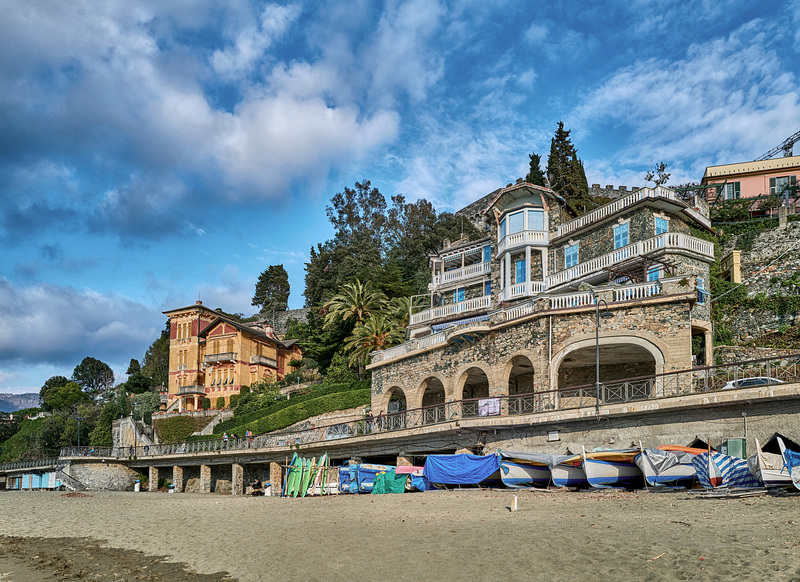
518,312
212,356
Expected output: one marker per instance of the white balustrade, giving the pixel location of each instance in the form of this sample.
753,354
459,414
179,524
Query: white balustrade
634,292
475,304
667,240
522,238
525,289
478,269
572,300
431,340
616,206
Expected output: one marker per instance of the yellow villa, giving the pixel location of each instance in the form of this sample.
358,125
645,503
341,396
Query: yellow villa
212,356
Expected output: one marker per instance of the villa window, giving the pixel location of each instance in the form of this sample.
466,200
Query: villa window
535,220
519,271
654,274
487,254
701,292
730,191
502,229
516,222
571,256
662,225
621,236
487,288
779,185
458,295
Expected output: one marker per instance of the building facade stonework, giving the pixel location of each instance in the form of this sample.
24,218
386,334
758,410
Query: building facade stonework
518,312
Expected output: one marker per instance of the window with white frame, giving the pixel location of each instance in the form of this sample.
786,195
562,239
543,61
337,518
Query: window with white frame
521,220
458,295
654,274
487,288
779,185
571,256
621,235
519,271
730,191
701,292
662,225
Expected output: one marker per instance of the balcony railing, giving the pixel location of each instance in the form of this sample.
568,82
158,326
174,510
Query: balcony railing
542,303
476,304
264,361
523,238
644,388
526,289
223,357
621,204
194,389
462,274
666,241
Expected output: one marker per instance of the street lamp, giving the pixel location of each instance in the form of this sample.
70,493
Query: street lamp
605,315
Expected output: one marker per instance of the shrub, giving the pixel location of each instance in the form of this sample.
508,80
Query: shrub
220,403
206,403
177,428
234,400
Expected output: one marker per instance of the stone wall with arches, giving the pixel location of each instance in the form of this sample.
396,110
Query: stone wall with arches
541,353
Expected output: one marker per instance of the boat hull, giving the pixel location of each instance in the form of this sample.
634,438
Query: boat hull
612,473
569,476
679,475
524,475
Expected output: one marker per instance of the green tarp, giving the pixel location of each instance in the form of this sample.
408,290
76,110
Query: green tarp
389,482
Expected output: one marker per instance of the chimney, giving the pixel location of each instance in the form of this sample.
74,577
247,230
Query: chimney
198,302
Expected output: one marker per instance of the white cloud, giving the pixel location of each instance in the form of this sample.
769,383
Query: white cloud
536,33
59,326
252,42
716,101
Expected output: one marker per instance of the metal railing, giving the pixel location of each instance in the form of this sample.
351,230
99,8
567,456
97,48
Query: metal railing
644,388
29,464
222,357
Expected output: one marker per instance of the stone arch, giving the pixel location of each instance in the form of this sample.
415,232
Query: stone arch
432,391
618,354
473,382
392,395
520,374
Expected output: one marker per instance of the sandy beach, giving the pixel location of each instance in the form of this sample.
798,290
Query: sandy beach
456,535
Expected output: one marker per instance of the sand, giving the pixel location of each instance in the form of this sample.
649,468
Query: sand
457,535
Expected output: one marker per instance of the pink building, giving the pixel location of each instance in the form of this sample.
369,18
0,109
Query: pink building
753,179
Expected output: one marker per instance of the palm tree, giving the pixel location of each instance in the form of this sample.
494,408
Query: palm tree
399,308
378,332
354,300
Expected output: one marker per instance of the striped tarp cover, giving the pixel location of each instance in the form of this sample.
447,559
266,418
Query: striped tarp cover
734,471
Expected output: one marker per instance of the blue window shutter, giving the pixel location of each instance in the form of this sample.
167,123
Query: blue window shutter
487,288
487,254
737,189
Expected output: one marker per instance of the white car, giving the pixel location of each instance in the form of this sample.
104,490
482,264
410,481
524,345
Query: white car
750,382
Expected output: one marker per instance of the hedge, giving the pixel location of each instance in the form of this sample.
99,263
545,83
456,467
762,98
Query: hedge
299,412
178,428
275,406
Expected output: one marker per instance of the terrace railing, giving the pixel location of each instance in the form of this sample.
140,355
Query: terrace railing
643,388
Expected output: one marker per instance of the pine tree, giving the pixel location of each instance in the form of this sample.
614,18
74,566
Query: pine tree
565,172
535,175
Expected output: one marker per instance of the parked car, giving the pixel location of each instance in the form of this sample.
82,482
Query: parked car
750,382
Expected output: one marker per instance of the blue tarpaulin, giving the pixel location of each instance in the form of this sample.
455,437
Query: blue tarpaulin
460,469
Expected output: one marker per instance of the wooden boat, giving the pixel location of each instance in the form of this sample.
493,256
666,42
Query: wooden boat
612,468
569,473
667,468
769,468
519,473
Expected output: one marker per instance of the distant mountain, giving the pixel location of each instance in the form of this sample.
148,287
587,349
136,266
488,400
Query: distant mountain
12,402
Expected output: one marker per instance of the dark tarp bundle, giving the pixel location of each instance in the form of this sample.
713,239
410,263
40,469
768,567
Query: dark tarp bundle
460,469
389,482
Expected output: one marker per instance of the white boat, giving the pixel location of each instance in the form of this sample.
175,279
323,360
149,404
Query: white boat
792,461
769,467
612,468
666,468
569,473
518,473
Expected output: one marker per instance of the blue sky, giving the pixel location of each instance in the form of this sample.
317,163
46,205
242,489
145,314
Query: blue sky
156,153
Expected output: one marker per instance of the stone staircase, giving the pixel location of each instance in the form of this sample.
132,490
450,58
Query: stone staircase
69,482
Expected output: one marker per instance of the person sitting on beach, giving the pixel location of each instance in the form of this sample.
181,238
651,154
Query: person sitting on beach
257,488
